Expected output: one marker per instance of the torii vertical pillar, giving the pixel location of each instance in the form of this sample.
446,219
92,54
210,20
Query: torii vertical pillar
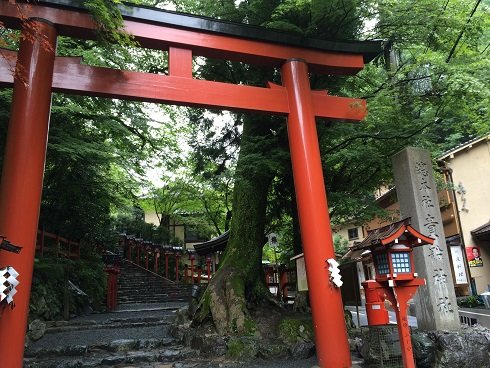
326,302
22,176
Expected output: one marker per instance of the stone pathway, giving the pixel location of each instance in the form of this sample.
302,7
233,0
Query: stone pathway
135,335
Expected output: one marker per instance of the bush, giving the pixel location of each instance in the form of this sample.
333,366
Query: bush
48,286
471,301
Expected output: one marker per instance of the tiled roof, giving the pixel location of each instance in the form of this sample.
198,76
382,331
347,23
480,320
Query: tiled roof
481,230
214,245
462,146
388,234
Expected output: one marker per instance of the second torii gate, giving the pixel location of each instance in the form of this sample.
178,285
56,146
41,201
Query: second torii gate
41,72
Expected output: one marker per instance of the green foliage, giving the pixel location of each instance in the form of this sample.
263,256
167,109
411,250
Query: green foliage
293,330
340,244
48,286
472,301
109,21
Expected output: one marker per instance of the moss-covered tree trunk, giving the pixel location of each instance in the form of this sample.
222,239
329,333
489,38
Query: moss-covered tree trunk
239,281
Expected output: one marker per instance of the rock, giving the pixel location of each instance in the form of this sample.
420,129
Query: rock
182,316
170,354
355,344
424,349
295,330
123,345
141,357
270,351
180,332
465,349
302,350
242,348
113,360
209,345
37,328
74,350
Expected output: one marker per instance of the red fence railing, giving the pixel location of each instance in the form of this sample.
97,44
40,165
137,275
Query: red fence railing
54,244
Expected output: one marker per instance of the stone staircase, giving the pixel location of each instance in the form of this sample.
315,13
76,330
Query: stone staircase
132,337
138,285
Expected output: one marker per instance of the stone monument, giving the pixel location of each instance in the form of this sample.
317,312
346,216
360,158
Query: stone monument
435,303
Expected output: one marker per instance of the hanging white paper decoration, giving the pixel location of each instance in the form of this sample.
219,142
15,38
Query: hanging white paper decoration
8,284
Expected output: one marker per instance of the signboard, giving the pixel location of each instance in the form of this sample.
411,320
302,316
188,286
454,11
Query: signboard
474,256
273,240
459,269
301,272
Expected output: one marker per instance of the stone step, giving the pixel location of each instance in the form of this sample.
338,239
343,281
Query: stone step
147,299
143,288
154,292
136,285
155,301
121,345
94,325
112,358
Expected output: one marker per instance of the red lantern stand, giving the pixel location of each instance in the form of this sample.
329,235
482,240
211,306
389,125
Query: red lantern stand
112,272
392,252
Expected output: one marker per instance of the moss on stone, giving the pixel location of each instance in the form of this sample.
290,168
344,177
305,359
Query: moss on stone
242,348
293,330
250,326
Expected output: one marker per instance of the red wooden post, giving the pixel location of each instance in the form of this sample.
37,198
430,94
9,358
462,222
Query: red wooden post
22,176
192,268
326,302
138,253
283,281
130,250
156,255
177,256
147,256
208,265
166,264
199,274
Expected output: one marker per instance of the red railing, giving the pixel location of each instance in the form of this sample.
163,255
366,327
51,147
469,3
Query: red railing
282,282
157,258
57,245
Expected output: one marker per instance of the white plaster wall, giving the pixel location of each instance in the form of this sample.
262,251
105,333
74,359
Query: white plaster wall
471,168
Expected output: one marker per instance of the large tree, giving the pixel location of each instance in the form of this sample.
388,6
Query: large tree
412,92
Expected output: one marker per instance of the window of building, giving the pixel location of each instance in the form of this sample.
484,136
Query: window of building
353,233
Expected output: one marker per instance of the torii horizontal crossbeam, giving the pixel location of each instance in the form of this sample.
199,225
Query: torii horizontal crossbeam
156,29
74,78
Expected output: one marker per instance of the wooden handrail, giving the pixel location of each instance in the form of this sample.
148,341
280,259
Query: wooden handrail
59,241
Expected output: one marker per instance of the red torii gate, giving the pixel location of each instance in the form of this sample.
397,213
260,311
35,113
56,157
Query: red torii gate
183,36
